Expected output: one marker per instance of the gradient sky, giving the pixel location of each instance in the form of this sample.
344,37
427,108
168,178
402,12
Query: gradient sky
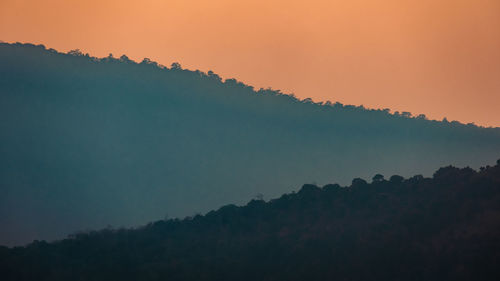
440,58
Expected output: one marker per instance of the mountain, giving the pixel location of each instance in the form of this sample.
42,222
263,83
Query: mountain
87,142
441,228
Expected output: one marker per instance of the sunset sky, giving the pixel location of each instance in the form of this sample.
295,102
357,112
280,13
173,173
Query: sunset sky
436,57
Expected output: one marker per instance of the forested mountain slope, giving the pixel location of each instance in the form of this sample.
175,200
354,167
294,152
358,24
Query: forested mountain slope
442,228
87,142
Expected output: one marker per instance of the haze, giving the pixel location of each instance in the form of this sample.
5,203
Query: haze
439,58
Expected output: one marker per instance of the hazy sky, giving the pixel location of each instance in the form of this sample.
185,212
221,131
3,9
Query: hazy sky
437,57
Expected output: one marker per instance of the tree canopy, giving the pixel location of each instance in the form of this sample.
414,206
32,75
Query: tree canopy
442,228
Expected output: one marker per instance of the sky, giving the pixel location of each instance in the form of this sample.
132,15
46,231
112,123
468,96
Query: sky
438,58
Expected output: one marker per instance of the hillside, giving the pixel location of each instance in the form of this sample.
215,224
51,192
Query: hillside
442,228
87,142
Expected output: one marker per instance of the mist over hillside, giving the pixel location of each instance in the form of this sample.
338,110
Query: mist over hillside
442,228
87,142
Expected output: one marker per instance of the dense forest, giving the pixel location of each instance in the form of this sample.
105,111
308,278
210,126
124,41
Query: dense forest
442,228
86,142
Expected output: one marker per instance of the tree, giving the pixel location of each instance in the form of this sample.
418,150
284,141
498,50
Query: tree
176,66
124,58
76,53
396,179
358,182
406,114
378,178
416,179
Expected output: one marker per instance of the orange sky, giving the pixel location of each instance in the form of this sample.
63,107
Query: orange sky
437,57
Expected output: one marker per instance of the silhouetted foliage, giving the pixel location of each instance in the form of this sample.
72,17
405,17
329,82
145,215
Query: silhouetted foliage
441,228
358,182
87,142
396,179
176,66
378,178
76,53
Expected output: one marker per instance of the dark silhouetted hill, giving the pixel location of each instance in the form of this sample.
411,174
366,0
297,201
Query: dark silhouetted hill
442,228
87,142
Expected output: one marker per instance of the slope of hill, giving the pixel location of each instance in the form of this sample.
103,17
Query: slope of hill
87,142
441,228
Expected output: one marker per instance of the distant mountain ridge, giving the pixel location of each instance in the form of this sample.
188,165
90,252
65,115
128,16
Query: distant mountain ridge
442,228
88,142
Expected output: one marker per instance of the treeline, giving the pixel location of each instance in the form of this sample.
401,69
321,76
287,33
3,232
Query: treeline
87,142
230,82
442,228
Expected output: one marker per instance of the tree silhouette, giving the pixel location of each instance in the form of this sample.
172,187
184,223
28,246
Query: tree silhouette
396,179
378,178
415,229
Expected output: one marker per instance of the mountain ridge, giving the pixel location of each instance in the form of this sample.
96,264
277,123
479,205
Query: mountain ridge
232,81
88,142
440,228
